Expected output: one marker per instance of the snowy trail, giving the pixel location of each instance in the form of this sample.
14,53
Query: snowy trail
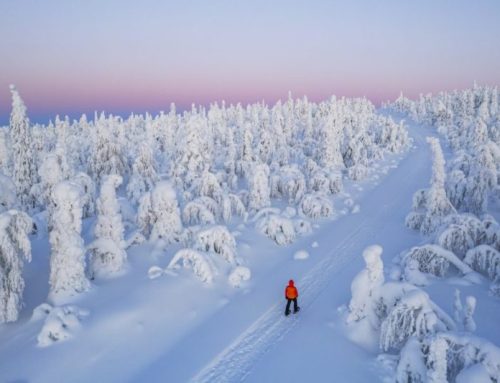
238,359
235,362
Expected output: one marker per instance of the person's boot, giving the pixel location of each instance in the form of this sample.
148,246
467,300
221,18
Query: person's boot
296,310
287,312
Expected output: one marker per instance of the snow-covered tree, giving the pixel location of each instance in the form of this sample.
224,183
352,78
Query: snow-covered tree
24,169
448,357
365,283
485,260
316,206
159,215
53,170
438,205
414,315
144,175
260,193
192,153
202,211
208,185
195,260
429,259
470,307
219,240
108,254
87,187
232,204
279,229
4,152
15,248
329,154
457,239
288,182
431,206
67,261
8,198
458,307
106,155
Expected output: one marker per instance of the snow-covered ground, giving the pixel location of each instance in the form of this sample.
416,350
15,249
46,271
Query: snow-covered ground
160,324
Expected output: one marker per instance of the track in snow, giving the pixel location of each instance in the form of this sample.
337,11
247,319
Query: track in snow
235,362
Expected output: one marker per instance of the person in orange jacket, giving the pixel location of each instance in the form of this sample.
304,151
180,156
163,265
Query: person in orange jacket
291,294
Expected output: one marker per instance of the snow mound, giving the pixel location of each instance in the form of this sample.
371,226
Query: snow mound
315,244
61,323
239,275
302,227
155,272
301,255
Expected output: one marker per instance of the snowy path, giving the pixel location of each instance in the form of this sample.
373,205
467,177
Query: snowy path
236,362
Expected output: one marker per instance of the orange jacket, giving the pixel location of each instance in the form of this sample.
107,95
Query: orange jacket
291,291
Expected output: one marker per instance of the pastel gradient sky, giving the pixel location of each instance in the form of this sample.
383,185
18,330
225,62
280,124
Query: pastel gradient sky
77,56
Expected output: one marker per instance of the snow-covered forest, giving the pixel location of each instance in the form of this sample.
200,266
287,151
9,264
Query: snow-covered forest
186,201
176,179
420,340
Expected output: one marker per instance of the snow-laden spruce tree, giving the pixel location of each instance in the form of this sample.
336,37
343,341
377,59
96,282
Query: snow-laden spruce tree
144,175
53,170
438,205
8,197
448,357
429,259
329,154
259,195
24,167
415,314
280,229
200,211
67,261
230,158
196,261
219,240
365,283
4,152
207,185
159,215
431,206
106,155
316,205
87,187
108,255
193,152
15,248
485,260
289,182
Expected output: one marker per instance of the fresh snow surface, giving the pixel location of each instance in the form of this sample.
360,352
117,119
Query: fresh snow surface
301,255
161,324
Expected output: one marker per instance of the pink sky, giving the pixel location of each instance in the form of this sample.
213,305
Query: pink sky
123,56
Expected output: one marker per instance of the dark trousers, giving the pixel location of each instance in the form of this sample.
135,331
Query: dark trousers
288,302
